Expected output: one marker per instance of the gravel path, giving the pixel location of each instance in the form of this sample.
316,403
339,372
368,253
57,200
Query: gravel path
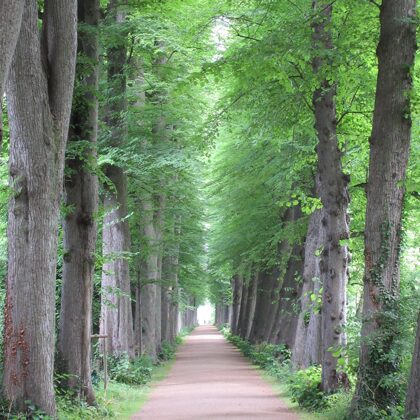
210,379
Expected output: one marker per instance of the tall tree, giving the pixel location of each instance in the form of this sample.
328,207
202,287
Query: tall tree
39,95
11,12
81,196
389,150
334,197
116,311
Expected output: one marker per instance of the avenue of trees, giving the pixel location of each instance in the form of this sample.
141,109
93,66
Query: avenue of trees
261,154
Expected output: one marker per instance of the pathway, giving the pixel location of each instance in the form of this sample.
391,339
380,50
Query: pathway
210,379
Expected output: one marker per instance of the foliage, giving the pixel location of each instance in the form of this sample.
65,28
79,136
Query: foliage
131,372
305,388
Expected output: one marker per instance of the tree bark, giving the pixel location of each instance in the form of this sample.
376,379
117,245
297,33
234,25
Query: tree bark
236,300
334,197
116,311
251,304
284,329
39,94
80,230
11,12
412,401
307,347
148,289
389,149
241,330
267,281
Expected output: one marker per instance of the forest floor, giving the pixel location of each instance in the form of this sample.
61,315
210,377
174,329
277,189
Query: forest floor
211,379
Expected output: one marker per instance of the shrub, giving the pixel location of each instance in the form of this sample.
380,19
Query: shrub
167,351
305,389
135,372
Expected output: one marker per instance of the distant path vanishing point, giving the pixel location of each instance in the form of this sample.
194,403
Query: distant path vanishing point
210,379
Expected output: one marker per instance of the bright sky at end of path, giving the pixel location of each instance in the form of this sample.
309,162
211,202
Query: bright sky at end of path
205,314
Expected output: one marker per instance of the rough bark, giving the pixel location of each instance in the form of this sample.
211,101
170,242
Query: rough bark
80,230
412,401
39,94
116,312
307,347
11,12
334,197
389,149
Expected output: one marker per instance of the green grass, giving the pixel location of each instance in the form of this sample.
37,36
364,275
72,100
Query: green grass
120,401
125,400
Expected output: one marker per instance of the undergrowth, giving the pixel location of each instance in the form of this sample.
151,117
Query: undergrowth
302,387
127,385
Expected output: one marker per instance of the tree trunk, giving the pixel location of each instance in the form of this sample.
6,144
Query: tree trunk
236,300
412,402
138,330
11,12
251,304
241,330
39,94
389,149
159,232
307,347
80,232
267,281
334,197
116,312
284,329
148,290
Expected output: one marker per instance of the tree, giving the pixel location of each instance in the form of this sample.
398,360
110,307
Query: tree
334,197
81,199
116,312
39,103
389,149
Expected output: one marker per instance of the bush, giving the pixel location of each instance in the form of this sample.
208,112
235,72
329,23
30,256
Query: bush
167,351
135,372
305,389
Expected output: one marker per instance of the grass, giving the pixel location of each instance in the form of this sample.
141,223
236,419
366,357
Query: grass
126,400
120,401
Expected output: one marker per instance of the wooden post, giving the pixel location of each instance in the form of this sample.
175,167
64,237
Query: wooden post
105,359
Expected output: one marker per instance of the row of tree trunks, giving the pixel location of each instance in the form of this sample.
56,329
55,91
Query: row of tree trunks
189,316
222,314
39,91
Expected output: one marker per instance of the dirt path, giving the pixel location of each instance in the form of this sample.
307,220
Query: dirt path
210,379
